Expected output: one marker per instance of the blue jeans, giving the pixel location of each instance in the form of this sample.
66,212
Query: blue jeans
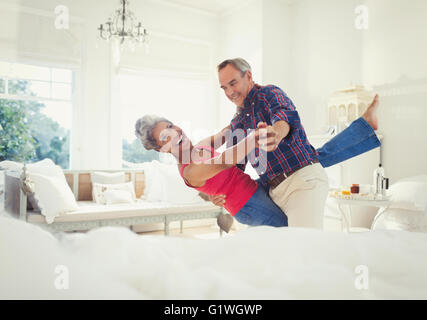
260,210
358,138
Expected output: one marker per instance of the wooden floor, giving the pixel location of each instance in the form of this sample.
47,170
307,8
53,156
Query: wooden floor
202,232
212,232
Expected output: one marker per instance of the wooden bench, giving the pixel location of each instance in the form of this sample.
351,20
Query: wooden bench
91,215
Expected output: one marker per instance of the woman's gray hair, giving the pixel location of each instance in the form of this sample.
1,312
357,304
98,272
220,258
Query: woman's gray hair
238,63
144,130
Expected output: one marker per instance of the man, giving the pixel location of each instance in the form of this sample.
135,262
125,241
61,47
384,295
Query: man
296,180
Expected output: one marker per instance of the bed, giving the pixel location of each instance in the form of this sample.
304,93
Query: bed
256,263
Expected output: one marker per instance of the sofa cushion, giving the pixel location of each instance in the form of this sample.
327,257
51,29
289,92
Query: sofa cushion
165,184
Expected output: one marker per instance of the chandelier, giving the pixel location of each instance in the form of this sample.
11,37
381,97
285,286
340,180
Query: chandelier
122,27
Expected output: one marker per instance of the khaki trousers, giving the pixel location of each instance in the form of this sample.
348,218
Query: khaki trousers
302,196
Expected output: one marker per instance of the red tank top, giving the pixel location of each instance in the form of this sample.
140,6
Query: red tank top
237,186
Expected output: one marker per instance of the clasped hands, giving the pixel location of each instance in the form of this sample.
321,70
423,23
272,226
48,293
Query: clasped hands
266,138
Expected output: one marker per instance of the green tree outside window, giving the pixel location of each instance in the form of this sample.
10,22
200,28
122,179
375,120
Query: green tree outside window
26,134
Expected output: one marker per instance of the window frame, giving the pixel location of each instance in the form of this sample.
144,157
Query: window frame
75,97
6,79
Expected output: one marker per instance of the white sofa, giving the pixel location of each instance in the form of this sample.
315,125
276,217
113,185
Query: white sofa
91,215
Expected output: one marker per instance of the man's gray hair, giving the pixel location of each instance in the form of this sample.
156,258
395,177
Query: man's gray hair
238,63
144,130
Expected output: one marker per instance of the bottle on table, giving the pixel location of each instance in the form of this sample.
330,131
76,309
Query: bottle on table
378,180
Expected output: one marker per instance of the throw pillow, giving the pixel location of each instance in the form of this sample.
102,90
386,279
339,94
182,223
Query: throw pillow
409,193
44,167
53,196
164,183
113,193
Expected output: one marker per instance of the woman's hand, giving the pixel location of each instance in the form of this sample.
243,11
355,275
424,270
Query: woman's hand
218,200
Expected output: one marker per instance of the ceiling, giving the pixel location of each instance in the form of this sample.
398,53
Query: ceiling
216,7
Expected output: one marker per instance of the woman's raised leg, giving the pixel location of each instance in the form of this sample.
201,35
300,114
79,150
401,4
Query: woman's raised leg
358,138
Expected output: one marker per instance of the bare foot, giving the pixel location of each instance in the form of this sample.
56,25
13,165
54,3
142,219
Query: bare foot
370,114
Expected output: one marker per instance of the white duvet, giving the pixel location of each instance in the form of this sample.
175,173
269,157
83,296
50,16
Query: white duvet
258,263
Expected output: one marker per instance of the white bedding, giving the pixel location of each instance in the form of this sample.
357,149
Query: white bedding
258,263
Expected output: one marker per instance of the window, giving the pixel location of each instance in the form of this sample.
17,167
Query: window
35,113
181,98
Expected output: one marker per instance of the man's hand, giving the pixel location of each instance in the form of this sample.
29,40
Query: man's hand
266,137
218,200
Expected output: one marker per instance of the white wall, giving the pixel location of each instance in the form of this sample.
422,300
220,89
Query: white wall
240,36
395,65
325,56
276,43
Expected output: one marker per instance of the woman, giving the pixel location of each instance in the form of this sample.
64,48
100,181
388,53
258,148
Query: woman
215,173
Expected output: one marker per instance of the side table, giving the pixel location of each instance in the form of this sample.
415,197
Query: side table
349,201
